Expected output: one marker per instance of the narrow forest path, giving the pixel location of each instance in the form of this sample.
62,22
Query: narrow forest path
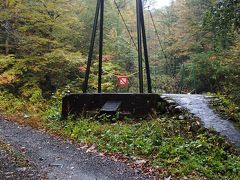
199,106
61,160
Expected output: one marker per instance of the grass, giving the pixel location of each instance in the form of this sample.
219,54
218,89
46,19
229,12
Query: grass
224,106
177,148
165,143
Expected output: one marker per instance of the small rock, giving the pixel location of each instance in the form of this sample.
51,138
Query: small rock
137,171
133,157
181,117
168,178
178,109
9,173
23,169
56,165
30,175
209,97
164,97
140,162
23,149
26,116
101,154
172,107
171,102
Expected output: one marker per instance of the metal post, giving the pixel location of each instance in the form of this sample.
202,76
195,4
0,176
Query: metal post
139,33
101,47
90,54
149,82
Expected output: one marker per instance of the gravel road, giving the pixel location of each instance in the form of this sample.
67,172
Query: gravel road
13,164
61,160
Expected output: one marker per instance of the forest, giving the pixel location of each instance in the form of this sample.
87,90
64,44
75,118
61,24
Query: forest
194,48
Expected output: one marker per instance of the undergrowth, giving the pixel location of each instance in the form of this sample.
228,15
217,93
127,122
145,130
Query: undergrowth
180,148
226,107
168,144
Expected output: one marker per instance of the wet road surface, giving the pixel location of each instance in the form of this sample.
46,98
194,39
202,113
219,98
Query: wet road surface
199,106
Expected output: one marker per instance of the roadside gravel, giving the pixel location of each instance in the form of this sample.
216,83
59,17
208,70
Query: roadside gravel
13,165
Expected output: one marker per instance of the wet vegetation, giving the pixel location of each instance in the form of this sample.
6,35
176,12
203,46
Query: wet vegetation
197,51
226,108
167,144
180,148
43,52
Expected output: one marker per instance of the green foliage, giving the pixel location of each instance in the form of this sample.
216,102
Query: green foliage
231,86
223,19
11,105
43,74
166,143
208,72
109,77
226,107
43,48
203,36
44,36
178,147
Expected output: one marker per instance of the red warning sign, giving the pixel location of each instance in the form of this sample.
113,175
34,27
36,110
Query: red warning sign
122,81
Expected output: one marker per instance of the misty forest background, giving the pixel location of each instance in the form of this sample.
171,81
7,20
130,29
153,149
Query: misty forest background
44,46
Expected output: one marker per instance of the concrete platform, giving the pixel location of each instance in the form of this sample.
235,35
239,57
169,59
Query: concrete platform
136,104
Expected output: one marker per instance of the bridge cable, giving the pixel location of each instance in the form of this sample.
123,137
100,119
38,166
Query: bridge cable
124,22
156,32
